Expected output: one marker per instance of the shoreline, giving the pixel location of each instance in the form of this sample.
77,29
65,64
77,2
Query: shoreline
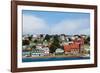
54,57
32,59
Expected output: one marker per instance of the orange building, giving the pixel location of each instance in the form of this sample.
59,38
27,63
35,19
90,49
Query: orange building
72,47
76,46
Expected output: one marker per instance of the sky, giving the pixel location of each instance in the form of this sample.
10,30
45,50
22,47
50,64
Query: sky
52,22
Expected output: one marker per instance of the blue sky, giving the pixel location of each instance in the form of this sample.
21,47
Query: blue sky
47,22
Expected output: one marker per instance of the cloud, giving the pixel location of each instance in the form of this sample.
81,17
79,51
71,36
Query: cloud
36,25
84,31
73,26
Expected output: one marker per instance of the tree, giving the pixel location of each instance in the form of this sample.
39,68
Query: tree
30,37
25,42
56,41
52,48
33,47
35,41
47,37
41,35
55,44
87,40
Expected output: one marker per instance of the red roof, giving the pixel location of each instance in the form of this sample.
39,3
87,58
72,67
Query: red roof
71,46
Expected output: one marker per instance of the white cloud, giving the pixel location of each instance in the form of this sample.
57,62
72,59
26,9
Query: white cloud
36,25
74,26
33,24
84,31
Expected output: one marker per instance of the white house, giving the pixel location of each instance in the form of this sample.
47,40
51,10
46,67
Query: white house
46,50
62,37
37,52
34,37
59,51
39,46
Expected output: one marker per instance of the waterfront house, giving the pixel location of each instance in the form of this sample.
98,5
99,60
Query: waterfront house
46,50
80,41
72,48
39,46
26,54
26,48
37,52
59,51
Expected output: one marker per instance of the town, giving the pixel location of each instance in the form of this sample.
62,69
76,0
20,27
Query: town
45,45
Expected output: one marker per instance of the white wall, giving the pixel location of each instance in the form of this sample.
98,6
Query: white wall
5,27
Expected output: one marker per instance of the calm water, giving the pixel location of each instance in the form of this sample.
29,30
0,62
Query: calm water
51,59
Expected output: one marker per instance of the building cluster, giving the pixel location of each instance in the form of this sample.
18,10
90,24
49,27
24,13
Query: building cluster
40,45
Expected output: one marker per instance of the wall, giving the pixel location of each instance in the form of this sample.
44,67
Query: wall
5,18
